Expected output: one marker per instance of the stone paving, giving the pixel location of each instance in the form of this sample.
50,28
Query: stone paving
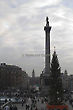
69,106
40,106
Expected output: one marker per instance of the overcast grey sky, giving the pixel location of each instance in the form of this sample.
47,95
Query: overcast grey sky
22,32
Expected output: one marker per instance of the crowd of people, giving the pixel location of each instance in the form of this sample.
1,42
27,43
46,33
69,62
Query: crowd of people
30,104
11,107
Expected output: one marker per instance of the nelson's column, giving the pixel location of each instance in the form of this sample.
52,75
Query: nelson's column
45,74
47,29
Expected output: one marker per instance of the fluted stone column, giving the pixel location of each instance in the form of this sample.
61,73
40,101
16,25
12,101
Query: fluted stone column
47,29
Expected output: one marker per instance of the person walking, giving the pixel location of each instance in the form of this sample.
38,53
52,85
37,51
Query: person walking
36,108
27,106
22,102
15,107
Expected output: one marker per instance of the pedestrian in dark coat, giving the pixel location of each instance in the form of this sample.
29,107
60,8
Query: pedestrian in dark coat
22,103
14,108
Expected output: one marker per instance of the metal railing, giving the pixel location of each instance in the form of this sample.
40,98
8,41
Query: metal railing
5,104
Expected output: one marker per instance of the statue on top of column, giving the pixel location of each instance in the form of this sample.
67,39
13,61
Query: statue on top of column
47,22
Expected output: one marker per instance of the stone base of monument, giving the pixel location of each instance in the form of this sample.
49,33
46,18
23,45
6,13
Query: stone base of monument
57,107
45,91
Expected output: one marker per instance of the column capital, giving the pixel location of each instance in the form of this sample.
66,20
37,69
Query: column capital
47,29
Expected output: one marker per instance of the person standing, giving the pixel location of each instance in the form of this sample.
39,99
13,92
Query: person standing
22,102
7,107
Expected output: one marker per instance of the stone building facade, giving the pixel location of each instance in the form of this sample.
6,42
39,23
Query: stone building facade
12,76
70,82
65,81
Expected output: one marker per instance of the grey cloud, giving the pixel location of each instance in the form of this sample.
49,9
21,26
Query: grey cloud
25,33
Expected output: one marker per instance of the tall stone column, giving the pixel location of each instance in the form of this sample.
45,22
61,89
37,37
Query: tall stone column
45,74
47,29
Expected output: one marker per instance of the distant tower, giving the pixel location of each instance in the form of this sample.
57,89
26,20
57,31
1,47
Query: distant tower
33,78
33,74
47,29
